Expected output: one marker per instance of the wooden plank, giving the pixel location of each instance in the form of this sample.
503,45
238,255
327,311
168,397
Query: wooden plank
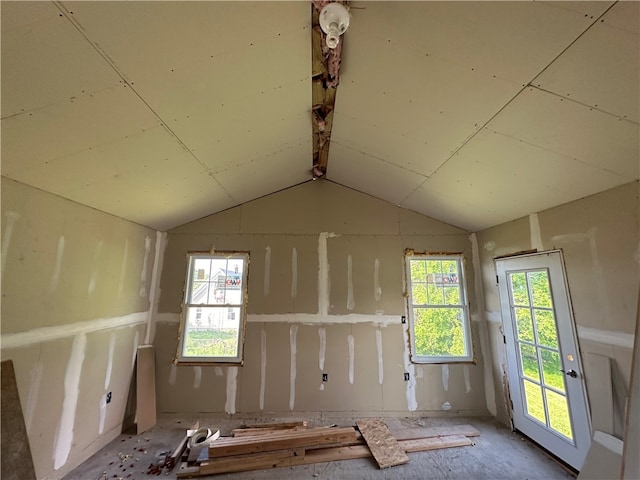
383,445
434,443
17,463
463,430
172,460
255,461
145,388
285,441
253,432
275,425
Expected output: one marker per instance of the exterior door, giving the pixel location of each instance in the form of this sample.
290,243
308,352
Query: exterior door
545,374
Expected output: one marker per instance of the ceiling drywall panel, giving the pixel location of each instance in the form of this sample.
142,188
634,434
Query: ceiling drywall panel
472,216
48,50
372,174
566,127
271,172
624,15
512,40
512,178
66,128
601,69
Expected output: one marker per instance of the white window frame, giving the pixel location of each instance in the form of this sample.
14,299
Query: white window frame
238,359
463,305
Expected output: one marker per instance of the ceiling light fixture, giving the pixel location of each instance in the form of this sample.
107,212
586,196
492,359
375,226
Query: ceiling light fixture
334,21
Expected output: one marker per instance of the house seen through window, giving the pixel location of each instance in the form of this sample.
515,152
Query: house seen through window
438,309
213,317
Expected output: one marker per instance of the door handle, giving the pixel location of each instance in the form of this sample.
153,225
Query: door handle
571,373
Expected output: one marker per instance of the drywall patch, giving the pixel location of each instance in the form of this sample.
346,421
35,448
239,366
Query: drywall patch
11,218
143,274
21,339
294,272
263,365
154,293
445,377
377,290
103,414
350,303
96,265
322,333
293,333
489,246
608,337
314,319
55,276
64,435
267,270
32,398
467,379
197,376
323,273
598,274
136,342
380,361
419,372
483,328
232,388
534,232
409,368
123,268
173,373
351,342
107,374
446,406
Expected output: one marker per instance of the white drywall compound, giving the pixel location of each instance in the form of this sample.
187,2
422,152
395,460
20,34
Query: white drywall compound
64,435
293,332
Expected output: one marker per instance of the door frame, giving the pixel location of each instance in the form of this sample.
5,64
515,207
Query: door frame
511,356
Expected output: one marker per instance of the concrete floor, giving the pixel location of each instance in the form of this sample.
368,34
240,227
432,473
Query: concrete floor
498,453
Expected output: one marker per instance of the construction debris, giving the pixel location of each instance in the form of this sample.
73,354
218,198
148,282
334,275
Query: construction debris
265,446
383,445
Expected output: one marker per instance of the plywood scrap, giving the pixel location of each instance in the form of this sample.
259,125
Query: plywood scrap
289,440
384,447
145,388
17,463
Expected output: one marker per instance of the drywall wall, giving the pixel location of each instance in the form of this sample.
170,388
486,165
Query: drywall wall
600,239
325,296
76,287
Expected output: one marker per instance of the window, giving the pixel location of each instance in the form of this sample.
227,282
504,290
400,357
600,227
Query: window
438,310
214,311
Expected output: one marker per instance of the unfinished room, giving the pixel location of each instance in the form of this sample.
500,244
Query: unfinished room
320,239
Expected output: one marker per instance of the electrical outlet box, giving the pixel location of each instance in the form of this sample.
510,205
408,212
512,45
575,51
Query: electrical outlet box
406,376
325,377
403,319
109,397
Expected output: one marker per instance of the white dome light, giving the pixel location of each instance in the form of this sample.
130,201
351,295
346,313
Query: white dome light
334,21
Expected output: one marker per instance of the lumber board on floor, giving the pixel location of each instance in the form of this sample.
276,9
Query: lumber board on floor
297,439
252,461
434,443
426,432
276,425
254,432
384,447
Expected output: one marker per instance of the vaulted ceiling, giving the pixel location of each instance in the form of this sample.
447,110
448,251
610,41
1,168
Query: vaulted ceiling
474,113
